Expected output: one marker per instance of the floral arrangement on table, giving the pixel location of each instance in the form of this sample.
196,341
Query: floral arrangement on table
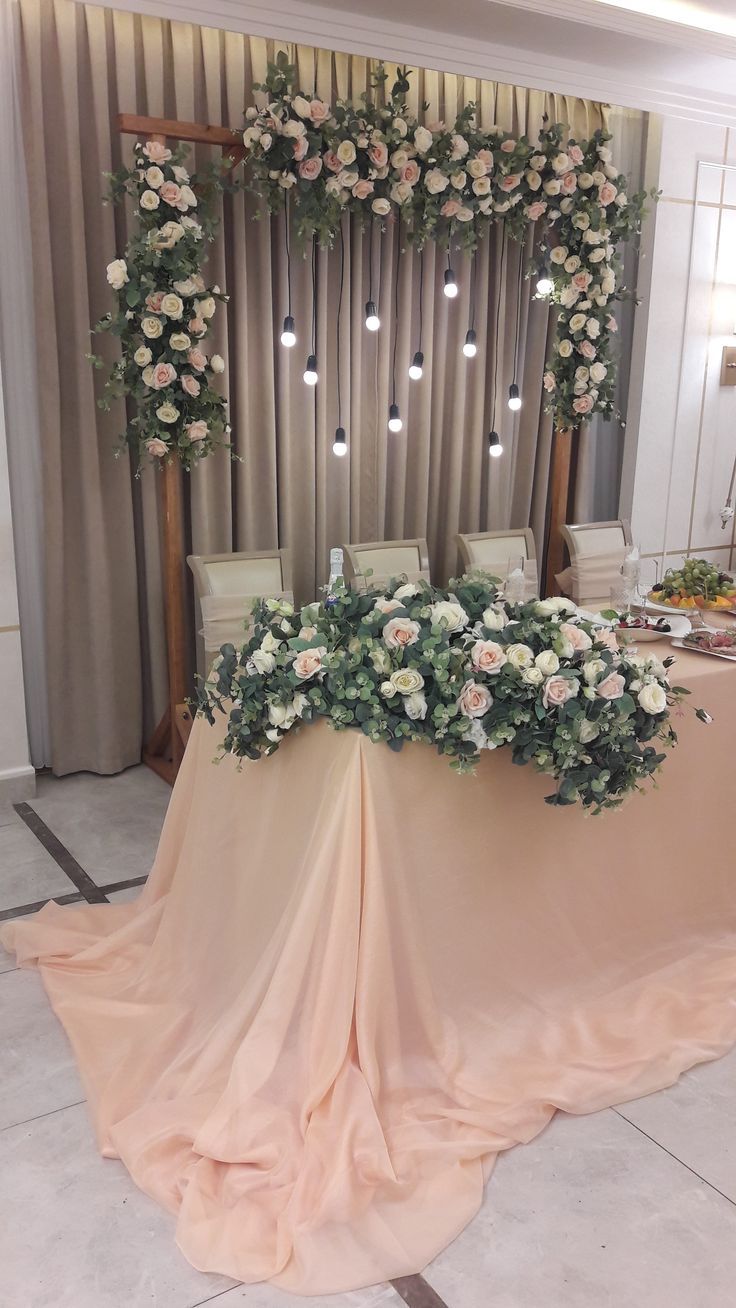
164,310
461,669
447,183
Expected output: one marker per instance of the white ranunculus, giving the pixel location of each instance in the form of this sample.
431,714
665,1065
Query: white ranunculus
448,614
142,356
422,139
547,662
117,274
533,676
217,363
406,681
519,656
149,200
263,661
152,328
167,413
494,619
652,698
415,706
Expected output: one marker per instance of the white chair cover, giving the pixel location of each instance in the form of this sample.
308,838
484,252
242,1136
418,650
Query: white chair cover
592,577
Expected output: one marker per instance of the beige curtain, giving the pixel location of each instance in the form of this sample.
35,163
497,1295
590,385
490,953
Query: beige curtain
81,65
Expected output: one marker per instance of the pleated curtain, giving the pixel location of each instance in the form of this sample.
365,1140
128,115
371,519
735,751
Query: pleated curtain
80,66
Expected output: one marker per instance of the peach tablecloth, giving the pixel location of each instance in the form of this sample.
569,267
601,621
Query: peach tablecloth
353,977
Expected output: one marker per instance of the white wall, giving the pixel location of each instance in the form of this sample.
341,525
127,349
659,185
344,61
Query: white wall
17,777
687,426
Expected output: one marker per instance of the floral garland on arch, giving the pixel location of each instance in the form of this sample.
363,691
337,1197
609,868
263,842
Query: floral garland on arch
164,310
460,669
448,184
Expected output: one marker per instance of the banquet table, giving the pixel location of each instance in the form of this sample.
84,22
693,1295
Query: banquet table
353,977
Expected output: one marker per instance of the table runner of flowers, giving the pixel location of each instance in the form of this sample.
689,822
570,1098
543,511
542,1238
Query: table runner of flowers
461,669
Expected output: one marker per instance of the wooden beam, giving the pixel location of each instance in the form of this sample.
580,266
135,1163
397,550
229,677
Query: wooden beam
559,502
150,128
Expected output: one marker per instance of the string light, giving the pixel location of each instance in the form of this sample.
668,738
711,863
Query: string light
545,285
340,443
394,417
372,320
288,334
310,372
514,397
417,364
470,349
514,400
450,286
495,448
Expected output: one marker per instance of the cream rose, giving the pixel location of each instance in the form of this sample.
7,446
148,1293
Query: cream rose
117,274
262,661
487,656
399,632
558,690
346,152
172,305
152,328
494,619
422,139
532,676
217,363
167,413
587,730
474,700
448,614
407,591
519,656
407,681
547,662
436,181
142,356
149,200
381,206
308,662
179,341
652,698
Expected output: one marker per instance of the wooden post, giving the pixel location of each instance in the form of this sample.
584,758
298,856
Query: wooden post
559,502
164,751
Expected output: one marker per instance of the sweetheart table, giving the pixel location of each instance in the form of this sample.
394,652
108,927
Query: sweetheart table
353,977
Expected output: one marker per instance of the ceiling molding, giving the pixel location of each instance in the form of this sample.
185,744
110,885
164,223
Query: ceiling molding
653,78
632,22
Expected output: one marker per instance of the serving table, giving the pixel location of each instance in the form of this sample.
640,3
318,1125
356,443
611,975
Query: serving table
353,977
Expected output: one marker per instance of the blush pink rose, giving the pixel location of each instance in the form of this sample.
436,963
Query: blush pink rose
579,639
197,326
170,193
197,359
569,183
587,349
607,193
582,280
487,656
400,632
410,173
536,210
190,385
332,162
154,301
508,147
310,168
612,688
197,431
450,208
583,404
511,181
163,375
378,154
575,154
156,447
611,323
386,605
605,636
558,690
318,111
485,157
363,189
156,151
474,700
308,662
301,145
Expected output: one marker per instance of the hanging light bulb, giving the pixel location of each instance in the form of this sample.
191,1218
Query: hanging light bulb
495,448
394,418
340,443
416,365
372,320
470,349
288,335
450,286
514,396
310,372
545,285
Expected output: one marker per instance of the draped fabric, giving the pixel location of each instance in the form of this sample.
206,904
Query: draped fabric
80,66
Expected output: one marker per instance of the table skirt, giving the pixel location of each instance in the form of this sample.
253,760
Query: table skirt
354,977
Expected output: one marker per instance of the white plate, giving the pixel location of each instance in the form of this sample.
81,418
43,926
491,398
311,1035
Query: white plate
679,626
716,653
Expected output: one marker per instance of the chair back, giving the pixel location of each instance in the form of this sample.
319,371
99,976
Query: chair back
491,550
226,586
584,539
385,559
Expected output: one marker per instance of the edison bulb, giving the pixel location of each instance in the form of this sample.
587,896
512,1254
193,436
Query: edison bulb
394,418
288,335
416,366
470,349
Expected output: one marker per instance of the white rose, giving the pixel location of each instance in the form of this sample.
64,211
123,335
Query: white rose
593,328
482,185
117,274
406,681
399,159
448,614
346,152
572,263
154,177
598,372
204,308
401,192
142,356
293,129
179,341
167,413
552,187
270,643
460,147
593,669
415,706
187,199
561,163
652,698
152,328
278,714
435,181
381,206
533,676
459,179
585,180
217,363
519,656
422,139
558,254
577,322
263,661
399,126
564,349
476,168
172,306
554,604
272,734
547,662
149,200
494,619
407,591
147,375
569,297
533,180
301,106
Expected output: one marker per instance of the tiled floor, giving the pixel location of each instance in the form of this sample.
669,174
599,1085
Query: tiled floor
633,1207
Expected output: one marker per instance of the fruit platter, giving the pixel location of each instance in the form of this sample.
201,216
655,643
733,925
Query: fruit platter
698,584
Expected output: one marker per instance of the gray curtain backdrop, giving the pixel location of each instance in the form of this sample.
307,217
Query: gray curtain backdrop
80,66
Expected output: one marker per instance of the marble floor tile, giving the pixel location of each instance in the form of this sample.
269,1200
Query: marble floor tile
110,824
37,1069
7,961
591,1214
75,1232
268,1296
124,896
695,1119
27,873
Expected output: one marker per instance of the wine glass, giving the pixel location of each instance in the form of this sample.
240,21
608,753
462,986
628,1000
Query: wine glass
515,589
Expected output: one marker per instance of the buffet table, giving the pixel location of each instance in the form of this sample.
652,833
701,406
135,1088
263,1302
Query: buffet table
354,977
